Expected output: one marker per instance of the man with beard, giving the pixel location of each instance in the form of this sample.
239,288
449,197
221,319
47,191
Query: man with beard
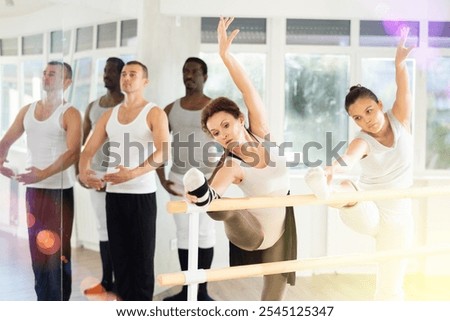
184,122
113,97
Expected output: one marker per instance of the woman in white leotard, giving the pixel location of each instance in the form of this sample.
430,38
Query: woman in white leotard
383,149
256,236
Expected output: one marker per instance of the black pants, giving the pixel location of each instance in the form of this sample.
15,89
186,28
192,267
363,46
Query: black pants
131,223
50,221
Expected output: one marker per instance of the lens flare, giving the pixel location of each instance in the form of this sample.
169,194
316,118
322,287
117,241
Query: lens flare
31,220
48,242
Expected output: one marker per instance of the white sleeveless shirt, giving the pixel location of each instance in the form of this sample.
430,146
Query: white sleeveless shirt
46,141
387,167
130,145
272,180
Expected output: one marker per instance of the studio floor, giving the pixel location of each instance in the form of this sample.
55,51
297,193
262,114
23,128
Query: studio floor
16,281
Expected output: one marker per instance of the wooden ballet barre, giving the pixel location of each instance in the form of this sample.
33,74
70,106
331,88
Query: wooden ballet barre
177,207
254,270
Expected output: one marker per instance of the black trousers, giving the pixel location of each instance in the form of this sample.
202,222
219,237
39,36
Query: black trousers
131,223
50,219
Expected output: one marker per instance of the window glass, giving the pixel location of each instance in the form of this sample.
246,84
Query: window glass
84,39
315,119
32,45
251,30
127,57
9,95
219,82
377,33
317,32
378,74
60,41
80,89
32,72
9,47
128,33
438,114
99,68
106,35
439,34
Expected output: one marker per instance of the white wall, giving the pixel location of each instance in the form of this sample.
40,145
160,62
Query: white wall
318,9
68,14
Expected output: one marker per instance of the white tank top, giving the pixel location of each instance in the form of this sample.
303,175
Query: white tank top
46,141
272,180
130,145
99,162
186,130
387,167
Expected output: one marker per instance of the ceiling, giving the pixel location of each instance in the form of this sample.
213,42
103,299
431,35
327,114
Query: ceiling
14,8
17,8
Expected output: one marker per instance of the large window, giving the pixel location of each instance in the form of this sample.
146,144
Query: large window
376,33
9,95
99,68
252,36
9,47
315,124
439,34
317,32
33,45
219,82
251,30
315,121
106,35
32,76
378,74
84,39
438,114
60,41
81,83
128,33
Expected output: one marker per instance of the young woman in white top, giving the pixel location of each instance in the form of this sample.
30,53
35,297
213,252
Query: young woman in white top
383,148
256,236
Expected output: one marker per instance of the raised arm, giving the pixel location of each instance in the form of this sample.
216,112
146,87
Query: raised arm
403,100
254,103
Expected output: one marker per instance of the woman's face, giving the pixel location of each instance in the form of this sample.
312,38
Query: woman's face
367,114
226,129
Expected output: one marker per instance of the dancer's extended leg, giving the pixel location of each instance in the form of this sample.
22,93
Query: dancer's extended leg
241,227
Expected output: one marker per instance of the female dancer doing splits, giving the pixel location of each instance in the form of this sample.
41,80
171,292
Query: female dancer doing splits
256,236
383,147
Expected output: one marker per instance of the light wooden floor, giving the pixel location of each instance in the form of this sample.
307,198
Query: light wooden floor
16,281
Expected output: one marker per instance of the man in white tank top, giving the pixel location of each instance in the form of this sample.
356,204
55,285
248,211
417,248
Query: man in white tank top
138,135
113,96
184,120
53,130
